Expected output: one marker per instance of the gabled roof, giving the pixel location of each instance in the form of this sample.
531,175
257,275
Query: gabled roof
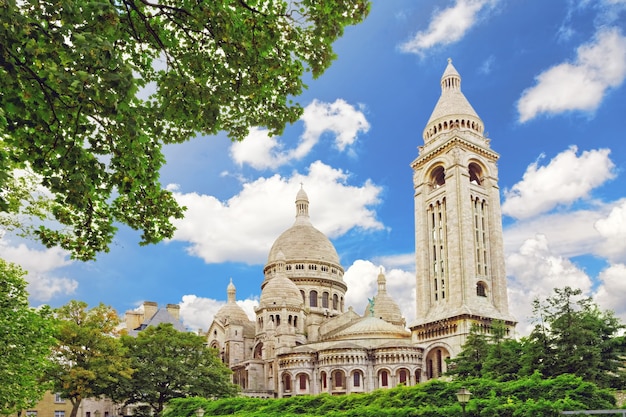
161,316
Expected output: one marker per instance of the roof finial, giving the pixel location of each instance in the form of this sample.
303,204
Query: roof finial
449,60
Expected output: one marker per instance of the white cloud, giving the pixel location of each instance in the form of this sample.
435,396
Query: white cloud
43,285
197,312
533,272
243,228
581,85
567,178
613,229
564,239
610,294
448,25
261,151
361,279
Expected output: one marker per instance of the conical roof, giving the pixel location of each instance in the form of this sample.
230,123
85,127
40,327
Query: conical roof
452,103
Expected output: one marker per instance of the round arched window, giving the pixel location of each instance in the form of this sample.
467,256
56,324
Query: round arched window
475,173
438,177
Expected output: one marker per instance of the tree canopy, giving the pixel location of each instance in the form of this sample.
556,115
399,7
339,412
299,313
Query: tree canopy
171,364
26,339
89,360
571,336
92,90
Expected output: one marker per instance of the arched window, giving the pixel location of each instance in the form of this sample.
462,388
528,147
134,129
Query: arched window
338,379
481,289
258,351
402,376
475,173
324,380
335,302
287,382
313,298
303,296
324,299
438,177
302,379
384,378
356,379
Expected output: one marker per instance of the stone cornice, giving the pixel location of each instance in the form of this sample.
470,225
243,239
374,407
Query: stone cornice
454,141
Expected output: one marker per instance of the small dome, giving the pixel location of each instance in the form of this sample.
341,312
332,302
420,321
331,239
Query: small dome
231,311
280,290
385,307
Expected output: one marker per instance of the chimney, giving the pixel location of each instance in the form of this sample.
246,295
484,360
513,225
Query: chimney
174,310
133,319
149,310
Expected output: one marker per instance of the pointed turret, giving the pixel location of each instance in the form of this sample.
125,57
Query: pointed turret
453,110
232,292
302,206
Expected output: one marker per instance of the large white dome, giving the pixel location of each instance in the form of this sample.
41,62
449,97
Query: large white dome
302,241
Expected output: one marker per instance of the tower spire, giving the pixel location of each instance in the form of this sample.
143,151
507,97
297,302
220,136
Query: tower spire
453,110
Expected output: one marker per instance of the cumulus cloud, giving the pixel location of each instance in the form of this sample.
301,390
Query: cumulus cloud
613,229
343,120
197,312
534,270
243,228
43,284
448,25
361,279
610,293
567,178
557,227
581,85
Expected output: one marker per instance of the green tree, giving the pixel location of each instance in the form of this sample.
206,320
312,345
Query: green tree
502,361
469,363
171,364
91,90
26,339
578,338
89,359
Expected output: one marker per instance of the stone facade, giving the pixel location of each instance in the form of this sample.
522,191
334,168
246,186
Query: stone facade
303,339
459,255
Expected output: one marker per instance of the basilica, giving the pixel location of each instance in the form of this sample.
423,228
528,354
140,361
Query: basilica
304,340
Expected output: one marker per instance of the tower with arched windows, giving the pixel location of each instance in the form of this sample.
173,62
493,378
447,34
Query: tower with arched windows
460,275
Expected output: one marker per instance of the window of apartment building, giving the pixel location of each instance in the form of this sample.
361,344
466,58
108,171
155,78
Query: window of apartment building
59,413
58,398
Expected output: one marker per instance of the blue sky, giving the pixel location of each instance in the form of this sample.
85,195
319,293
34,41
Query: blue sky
547,79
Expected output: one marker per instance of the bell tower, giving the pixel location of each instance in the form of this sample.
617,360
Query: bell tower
459,254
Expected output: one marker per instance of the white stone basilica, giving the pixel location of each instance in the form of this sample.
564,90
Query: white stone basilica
304,340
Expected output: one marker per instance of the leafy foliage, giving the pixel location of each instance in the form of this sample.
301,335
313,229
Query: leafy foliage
89,360
91,90
529,396
572,336
26,338
170,364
